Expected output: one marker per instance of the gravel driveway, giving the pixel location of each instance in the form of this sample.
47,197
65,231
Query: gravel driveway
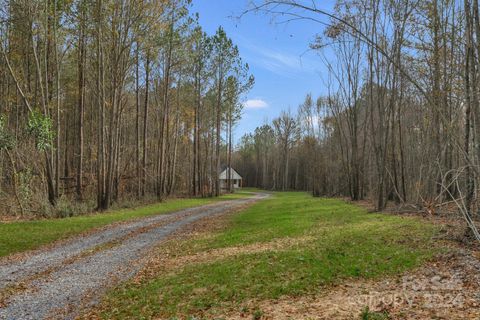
55,283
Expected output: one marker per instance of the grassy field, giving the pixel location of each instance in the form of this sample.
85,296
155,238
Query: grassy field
328,241
27,235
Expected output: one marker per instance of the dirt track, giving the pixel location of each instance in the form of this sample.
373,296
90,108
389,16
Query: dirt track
58,282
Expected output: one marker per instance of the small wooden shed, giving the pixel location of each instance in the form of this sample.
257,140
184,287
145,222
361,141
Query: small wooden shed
234,176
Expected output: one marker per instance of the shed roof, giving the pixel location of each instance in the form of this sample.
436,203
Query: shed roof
233,174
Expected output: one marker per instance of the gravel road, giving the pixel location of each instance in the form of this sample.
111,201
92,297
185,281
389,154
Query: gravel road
56,282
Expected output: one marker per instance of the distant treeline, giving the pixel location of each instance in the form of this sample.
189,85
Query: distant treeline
401,117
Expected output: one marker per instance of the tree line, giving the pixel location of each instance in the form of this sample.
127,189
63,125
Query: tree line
401,117
107,100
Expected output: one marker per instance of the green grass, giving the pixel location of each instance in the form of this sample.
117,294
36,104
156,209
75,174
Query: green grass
371,315
347,243
27,235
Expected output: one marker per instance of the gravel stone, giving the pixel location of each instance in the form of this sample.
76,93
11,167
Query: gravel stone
59,293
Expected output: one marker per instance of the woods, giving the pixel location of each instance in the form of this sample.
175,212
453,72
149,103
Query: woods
400,120
112,101
145,172
104,102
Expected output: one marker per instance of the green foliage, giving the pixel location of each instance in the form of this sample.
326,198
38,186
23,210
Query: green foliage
25,179
230,73
41,127
372,315
257,315
246,146
264,137
7,141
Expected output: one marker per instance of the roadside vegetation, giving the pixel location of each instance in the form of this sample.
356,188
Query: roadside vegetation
27,235
288,245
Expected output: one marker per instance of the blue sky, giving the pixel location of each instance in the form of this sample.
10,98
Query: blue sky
278,54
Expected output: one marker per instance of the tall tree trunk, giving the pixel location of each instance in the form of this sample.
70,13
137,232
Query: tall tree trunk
468,100
137,123
230,153
164,131
145,124
81,101
217,132
101,110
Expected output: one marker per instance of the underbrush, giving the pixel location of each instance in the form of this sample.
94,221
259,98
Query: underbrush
38,207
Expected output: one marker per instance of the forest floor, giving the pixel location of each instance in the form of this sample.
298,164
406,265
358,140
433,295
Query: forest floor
58,281
292,256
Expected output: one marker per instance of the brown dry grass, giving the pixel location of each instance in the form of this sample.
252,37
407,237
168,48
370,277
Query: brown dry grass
168,259
448,288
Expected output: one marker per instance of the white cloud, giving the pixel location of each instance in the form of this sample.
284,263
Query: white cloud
255,104
279,61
